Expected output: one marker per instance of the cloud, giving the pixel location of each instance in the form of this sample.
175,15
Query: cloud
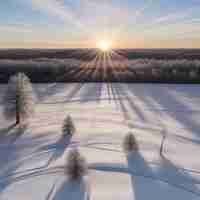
172,17
91,16
57,8
170,21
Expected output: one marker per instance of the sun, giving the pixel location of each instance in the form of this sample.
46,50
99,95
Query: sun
104,45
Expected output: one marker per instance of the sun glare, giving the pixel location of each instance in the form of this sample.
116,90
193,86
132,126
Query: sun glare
104,45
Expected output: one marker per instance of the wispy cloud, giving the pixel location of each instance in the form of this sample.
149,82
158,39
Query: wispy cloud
57,8
90,17
173,17
91,13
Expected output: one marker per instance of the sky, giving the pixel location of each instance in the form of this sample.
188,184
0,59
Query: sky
84,23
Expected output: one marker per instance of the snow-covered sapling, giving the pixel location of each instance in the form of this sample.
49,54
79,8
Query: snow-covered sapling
68,127
19,98
76,166
130,143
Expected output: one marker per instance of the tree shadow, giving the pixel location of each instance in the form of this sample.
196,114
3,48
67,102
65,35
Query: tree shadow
152,183
186,90
166,99
120,92
11,152
74,91
140,92
19,131
169,170
121,104
10,134
8,155
50,193
5,131
91,92
132,105
113,92
50,90
59,147
161,101
73,190
108,88
6,181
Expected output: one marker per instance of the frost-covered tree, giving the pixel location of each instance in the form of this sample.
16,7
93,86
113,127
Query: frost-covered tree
130,143
19,98
76,166
68,128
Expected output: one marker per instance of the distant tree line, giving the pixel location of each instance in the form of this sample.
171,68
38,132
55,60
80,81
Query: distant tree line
89,54
72,70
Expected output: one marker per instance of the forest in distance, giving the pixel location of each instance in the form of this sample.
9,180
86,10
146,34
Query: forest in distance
90,65
89,54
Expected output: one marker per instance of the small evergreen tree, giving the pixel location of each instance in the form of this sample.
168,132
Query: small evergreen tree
130,144
76,166
68,127
19,98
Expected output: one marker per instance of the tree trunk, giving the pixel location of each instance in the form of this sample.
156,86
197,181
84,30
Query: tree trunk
19,85
17,110
17,118
162,146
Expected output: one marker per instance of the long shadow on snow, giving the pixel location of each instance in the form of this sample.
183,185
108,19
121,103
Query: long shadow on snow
50,193
5,131
161,96
112,94
7,156
50,90
59,148
118,90
140,92
186,90
91,91
165,98
73,190
162,175
10,134
121,104
124,92
74,91
76,87
166,173
21,130
4,183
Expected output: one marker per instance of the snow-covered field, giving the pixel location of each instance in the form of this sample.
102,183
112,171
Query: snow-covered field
32,161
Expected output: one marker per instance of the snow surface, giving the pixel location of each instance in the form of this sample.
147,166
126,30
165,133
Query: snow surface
32,160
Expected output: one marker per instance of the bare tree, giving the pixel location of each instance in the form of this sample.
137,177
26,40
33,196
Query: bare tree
19,98
130,144
68,127
76,166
